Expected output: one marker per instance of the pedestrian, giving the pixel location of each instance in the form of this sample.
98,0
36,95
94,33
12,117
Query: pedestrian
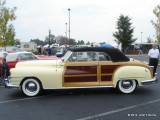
153,56
49,51
40,50
64,49
5,70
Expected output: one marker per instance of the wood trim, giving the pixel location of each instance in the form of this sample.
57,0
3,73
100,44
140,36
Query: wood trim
80,84
106,74
80,79
80,75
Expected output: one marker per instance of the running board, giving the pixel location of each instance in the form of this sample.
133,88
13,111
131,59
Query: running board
78,87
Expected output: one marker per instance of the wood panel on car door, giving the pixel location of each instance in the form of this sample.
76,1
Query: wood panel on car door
79,74
107,69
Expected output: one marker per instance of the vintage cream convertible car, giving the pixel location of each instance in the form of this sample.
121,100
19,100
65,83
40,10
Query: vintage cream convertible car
81,68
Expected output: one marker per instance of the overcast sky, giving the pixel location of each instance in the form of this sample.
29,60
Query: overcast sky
91,20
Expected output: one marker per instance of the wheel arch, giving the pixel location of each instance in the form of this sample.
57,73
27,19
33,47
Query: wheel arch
32,78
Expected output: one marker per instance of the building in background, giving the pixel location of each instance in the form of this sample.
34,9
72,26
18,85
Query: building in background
29,46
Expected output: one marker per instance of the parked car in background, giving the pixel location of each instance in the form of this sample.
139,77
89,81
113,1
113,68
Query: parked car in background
3,54
13,58
59,52
81,68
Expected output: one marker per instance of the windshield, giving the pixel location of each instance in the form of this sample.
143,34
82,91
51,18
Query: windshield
65,57
11,57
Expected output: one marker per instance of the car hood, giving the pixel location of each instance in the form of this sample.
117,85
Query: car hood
38,63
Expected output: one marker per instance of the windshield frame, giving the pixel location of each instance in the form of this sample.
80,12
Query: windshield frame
66,56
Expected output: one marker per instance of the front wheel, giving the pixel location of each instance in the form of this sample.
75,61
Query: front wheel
126,86
31,87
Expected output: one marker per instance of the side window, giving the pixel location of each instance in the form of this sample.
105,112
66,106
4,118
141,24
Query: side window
21,57
104,57
83,56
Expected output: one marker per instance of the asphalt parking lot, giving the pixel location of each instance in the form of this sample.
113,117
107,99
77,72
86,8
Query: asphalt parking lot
82,104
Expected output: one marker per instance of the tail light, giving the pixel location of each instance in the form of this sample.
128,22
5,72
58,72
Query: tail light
152,67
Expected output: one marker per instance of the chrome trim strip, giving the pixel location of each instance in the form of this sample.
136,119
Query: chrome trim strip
148,82
8,85
130,78
77,87
18,76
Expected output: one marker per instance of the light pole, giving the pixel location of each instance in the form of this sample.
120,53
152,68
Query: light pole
69,25
66,34
141,38
49,36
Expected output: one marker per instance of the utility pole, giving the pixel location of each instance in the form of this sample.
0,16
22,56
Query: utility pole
66,34
69,25
141,38
49,36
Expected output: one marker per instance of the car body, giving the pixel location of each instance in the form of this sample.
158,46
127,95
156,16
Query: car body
60,52
81,68
3,54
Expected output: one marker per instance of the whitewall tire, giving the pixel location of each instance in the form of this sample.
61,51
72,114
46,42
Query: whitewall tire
126,86
31,87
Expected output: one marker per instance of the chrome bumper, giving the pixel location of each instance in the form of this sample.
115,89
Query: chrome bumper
148,82
9,85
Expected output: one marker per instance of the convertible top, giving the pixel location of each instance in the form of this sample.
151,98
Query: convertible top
115,54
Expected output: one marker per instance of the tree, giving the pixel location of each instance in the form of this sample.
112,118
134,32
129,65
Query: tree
149,40
124,33
158,38
72,41
156,24
102,43
52,39
7,32
17,42
61,40
88,43
38,41
80,42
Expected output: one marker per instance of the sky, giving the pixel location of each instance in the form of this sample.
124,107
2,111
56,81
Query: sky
90,20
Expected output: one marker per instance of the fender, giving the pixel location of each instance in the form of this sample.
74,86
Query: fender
50,77
138,73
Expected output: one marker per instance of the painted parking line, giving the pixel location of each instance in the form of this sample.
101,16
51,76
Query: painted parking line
23,99
118,110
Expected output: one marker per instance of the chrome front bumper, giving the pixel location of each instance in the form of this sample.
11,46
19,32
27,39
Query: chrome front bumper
148,82
9,85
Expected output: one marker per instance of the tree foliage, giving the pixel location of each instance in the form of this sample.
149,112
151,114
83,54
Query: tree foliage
72,41
38,41
124,33
62,40
156,23
80,42
7,31
52,39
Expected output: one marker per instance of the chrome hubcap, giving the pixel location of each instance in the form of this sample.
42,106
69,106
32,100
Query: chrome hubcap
127,84
31,87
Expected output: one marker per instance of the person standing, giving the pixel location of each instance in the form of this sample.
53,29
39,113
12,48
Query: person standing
5,70
49,51
40,50
153,56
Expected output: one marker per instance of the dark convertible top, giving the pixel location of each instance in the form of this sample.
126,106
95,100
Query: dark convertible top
115,54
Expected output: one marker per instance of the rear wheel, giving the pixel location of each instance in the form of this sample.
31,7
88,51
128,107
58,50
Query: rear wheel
31,87
126,86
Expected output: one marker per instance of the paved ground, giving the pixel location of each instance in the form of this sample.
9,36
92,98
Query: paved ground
139,57
83,104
